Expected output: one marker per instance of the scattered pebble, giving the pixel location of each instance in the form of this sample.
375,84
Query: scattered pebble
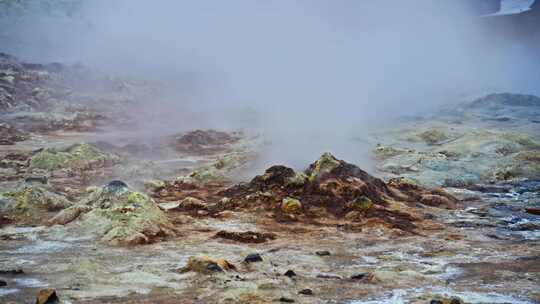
253,258
328,276
214,267
359,276
289,273
306,292
322,253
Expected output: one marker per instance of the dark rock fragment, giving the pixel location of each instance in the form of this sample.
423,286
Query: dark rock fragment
328,276
429,216
3,283
322,253
290,273
306,292
15,271
253,258
359,276
535,211
286,300
214,267
115,186
36,179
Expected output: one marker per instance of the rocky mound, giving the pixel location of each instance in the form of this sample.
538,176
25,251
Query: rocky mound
475,156
19,85
205,141
32,203
506,99
44,98
10,135
79,156
333,189
118,216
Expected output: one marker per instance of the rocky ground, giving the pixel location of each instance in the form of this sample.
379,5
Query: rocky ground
89,213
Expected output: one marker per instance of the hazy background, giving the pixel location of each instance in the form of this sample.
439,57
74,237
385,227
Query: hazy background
310,75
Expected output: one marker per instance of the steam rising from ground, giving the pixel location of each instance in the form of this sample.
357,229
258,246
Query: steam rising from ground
317,72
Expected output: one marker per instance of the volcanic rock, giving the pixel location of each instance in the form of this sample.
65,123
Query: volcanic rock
253,258
307,292
535,211
79,156
506,99
118,216
333,189
10,135
31,204
289,273
47,296
206,264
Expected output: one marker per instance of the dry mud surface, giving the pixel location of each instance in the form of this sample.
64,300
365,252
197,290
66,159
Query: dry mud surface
88,215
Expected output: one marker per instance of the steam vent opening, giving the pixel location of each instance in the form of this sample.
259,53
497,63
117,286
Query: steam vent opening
270,152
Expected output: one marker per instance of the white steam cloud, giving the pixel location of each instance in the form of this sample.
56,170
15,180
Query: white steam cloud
318,72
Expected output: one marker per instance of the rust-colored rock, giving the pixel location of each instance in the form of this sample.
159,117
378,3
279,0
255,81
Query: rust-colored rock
206,264
47,296
535,211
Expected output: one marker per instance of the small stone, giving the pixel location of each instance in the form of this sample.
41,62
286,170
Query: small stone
535,211
306,292
328,276
289,273
3,283
436,302
291,205
286,300
359,276
253,258
47,296
206,264
169,206
429,216
15,271
116,187
322,253
36,179
214,267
